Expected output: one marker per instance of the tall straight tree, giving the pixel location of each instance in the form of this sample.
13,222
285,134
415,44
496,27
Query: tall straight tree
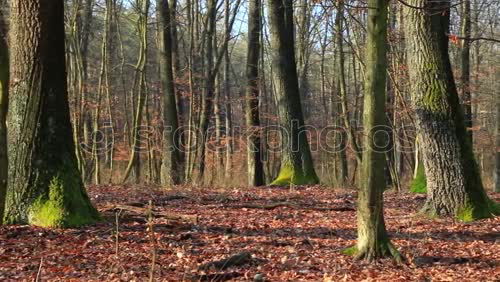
341,109
454,185
171,170
465,62
207,94
139,90
373,241
296,160
497,153
255,167
4,92
45,186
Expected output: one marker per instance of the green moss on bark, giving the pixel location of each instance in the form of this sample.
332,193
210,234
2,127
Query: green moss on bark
64,202
66,205
471,213
419,183
383,249
291,176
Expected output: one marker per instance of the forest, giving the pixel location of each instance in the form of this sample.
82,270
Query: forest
249,140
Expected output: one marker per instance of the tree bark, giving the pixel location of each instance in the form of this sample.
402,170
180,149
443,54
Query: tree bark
4,94
296,160
303,34
140,88
465,62
373,241
497,151
454,185
207,96
171,170
45,186
341,110
227,94
255,168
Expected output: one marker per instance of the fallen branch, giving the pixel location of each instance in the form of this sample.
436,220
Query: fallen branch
215,277
144,211
236,260
273,206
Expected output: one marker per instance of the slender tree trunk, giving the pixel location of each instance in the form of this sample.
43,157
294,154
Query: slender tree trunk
140,88
103,87
341,110
227,94
171,170
454,185
209,84
296,160
4,94
465,61
255,168
210,72
84,43
303,49
45,186
188,163
497,154
373,241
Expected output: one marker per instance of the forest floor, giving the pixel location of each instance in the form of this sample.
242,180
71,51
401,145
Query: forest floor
279,234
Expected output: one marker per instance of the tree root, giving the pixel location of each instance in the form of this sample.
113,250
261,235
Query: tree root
370,254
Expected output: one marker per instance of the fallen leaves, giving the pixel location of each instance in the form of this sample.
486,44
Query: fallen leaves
298,235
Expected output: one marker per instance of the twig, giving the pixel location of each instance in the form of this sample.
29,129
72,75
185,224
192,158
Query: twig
472,39
39,273
153,240
117,219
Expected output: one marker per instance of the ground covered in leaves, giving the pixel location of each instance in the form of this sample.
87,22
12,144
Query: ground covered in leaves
277,234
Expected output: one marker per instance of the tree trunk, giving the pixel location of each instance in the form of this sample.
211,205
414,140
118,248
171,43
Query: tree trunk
140,88
209,84
303,34
4,94
454,185
497,151
171,170
373,241
341,110
255,168
296,160
465,61
45,186
227,95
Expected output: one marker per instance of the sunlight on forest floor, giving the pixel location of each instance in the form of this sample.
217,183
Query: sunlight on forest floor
291,235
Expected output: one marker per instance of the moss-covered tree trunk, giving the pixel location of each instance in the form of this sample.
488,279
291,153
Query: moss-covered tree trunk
296,161
255,168
45,187
4,92
454,185
373,241
171,166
